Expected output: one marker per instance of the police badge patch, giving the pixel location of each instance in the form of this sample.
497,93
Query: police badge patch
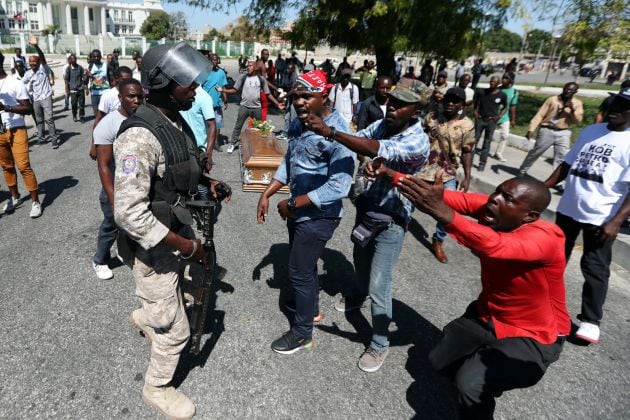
129,164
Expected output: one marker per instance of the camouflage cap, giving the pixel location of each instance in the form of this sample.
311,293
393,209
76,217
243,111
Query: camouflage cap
411,91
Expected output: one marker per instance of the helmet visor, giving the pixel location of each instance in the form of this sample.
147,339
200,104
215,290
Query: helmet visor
185,65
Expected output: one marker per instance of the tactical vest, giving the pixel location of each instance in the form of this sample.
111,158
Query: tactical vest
170,193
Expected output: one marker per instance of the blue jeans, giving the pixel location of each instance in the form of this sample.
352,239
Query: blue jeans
374,265
440,233
107,232
307,241
487,127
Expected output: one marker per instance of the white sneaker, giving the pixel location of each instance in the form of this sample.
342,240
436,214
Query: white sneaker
36,210
11,204
230,148
102,271
588,332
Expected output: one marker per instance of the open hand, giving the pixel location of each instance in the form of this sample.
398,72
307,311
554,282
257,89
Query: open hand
427,198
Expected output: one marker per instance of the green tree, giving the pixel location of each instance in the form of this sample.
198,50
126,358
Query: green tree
437,27
178,26
244,29
384,27
214,33
502,40
156,26
537,38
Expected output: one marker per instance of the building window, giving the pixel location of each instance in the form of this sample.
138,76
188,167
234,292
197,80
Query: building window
2,24
117,29
115,14
11,24
130,16
32,8
34,25
10,11
21,24
107,13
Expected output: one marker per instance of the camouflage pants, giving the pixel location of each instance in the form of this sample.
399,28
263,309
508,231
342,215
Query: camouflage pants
157,286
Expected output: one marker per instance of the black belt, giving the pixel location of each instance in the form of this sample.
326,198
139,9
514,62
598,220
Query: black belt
548,127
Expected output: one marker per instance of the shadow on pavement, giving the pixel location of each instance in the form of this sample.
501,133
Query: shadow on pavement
335,279
52,188
419,233
430,395
67,135
214,326
504,168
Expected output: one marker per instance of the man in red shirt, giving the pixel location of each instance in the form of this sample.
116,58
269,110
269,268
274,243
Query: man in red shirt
515,329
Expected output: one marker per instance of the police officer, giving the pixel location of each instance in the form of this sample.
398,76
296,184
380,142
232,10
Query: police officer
156,172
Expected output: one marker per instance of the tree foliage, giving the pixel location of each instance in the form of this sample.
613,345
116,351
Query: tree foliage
588,25
244,29
156,26
437,27
178,25
502,40
214,33
538,38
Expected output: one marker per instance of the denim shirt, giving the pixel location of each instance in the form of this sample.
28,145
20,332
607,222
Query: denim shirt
405,152
319,168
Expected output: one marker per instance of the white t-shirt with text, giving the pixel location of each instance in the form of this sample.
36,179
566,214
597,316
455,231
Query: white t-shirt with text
599,178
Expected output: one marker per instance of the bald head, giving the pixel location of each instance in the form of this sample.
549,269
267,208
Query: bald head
534,192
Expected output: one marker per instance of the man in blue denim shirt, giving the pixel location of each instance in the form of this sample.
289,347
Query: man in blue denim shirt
401,142
320,174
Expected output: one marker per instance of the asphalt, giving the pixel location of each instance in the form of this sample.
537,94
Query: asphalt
68,350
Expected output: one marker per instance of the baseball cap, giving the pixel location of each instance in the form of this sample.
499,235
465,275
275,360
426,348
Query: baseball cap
456,92
411,91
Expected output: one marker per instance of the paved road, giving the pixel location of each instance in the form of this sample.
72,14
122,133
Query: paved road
69,352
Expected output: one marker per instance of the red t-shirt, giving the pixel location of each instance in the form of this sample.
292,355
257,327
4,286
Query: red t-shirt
522,272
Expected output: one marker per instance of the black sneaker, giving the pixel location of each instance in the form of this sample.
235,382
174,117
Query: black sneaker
290,343
74,118
82,120
56,144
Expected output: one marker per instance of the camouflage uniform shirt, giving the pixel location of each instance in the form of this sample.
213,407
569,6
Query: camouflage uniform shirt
139,156
448,140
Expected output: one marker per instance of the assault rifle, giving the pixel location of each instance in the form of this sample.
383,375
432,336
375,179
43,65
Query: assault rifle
204,213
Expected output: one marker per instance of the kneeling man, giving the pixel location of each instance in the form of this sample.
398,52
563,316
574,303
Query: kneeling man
515,329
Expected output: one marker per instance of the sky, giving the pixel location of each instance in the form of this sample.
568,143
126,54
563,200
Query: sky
198,19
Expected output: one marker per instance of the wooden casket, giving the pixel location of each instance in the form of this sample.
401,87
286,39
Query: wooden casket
260,157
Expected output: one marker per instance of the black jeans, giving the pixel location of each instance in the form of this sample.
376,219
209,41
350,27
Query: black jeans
77,99
307,241
243,114
488,128
595,265
483,367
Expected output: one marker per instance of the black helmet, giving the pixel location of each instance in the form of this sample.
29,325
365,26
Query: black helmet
179,62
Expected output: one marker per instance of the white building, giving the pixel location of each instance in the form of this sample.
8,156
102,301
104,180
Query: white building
78,17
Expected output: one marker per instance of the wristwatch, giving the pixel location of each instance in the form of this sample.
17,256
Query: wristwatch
331,136
291,204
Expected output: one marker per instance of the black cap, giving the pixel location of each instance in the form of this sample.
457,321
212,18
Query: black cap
443,73
456,92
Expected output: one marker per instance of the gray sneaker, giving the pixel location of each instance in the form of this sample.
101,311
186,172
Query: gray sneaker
345,304
371,360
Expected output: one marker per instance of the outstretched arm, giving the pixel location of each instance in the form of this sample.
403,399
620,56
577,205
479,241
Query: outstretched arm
40,53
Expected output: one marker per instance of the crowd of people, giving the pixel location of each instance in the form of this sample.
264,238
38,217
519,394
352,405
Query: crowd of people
157,127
